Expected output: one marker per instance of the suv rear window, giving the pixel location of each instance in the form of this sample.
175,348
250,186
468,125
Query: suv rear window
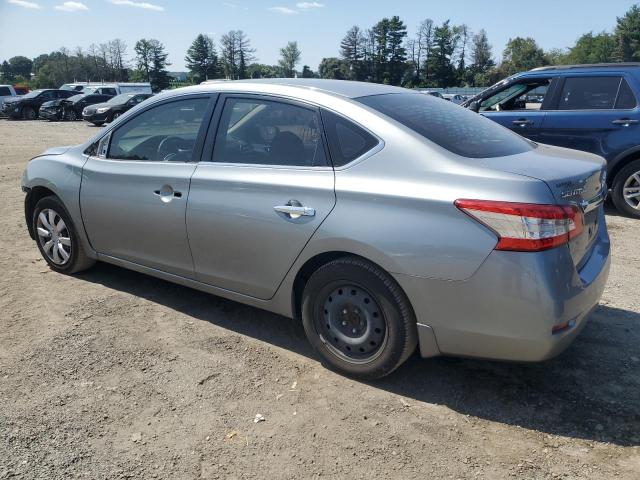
589,93
347,141
454,128
626,99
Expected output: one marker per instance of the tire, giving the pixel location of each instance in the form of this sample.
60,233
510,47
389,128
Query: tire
627,179
73,116
115,116
358,319
76,258
98,124
28,113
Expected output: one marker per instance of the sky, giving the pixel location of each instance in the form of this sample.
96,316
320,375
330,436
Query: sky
32,27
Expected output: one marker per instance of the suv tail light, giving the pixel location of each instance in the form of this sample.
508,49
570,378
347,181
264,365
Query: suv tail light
526,227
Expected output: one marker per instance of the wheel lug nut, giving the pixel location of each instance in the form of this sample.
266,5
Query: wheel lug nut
353,330
344,324
344,311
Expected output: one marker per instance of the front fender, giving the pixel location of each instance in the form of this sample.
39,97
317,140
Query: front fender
60,174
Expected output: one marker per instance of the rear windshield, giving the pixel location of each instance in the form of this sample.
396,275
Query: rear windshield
455,128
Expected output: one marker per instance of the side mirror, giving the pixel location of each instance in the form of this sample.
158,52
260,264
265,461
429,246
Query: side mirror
474,106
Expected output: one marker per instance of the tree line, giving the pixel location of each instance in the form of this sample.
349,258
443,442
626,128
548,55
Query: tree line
434,55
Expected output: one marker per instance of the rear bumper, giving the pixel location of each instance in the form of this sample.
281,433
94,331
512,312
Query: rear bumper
507,309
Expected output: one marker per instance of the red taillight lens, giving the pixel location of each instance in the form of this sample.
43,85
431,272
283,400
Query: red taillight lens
526,227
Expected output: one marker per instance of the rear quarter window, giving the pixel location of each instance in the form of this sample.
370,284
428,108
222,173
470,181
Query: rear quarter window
5,92
347,141
451,126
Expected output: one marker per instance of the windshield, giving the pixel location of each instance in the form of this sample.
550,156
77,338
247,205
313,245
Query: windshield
122,98
451,126
33,94
75,98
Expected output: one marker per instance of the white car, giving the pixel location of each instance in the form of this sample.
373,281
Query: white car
454,97
6,91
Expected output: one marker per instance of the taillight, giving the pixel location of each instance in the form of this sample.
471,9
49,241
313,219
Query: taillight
526,227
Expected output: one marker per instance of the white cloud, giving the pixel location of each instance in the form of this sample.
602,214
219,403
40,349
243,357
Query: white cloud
23,3
143,5
72,7
284,10
308,5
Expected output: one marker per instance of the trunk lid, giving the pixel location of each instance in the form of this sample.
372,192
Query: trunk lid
573,177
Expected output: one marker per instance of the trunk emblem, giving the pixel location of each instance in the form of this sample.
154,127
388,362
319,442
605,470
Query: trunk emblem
572,193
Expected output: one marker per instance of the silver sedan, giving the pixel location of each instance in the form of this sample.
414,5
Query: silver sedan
383,218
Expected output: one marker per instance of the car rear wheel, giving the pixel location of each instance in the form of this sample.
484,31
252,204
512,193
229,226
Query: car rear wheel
358,319
626,190
72,115
28,113
56,237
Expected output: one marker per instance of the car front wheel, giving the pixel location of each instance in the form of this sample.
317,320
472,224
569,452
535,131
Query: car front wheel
28,113
626,190
56,237
358,319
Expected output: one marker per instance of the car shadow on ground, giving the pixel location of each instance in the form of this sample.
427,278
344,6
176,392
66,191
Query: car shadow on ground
591,391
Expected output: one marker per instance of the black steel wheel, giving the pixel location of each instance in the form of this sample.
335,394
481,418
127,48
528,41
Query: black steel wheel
352,324
357,318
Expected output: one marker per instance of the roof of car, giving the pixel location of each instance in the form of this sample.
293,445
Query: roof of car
588,65
345,88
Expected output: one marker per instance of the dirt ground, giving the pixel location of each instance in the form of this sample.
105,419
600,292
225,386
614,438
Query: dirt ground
112,374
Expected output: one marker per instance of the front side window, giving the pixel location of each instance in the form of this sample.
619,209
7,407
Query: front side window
589,93
266,132
451,126
167,132
520,96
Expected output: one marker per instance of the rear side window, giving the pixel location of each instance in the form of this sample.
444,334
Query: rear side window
451,126
347,141
589,93
626,99
264,132
5,92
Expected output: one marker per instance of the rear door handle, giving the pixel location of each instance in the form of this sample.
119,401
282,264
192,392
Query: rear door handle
295,210
167,193
522,122
625,122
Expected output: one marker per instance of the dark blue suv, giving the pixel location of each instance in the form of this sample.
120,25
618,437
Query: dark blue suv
585,107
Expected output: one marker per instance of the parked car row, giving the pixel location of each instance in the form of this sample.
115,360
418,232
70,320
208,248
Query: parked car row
98,106
69,101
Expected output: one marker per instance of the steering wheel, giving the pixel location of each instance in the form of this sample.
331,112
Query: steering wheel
169,147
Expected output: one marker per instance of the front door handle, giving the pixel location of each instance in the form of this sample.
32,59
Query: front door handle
522,122
625,122
167,193
294,209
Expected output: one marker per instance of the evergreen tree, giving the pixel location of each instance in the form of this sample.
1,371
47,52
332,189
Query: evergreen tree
445,42
627,33
202,59
481,59
352,50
